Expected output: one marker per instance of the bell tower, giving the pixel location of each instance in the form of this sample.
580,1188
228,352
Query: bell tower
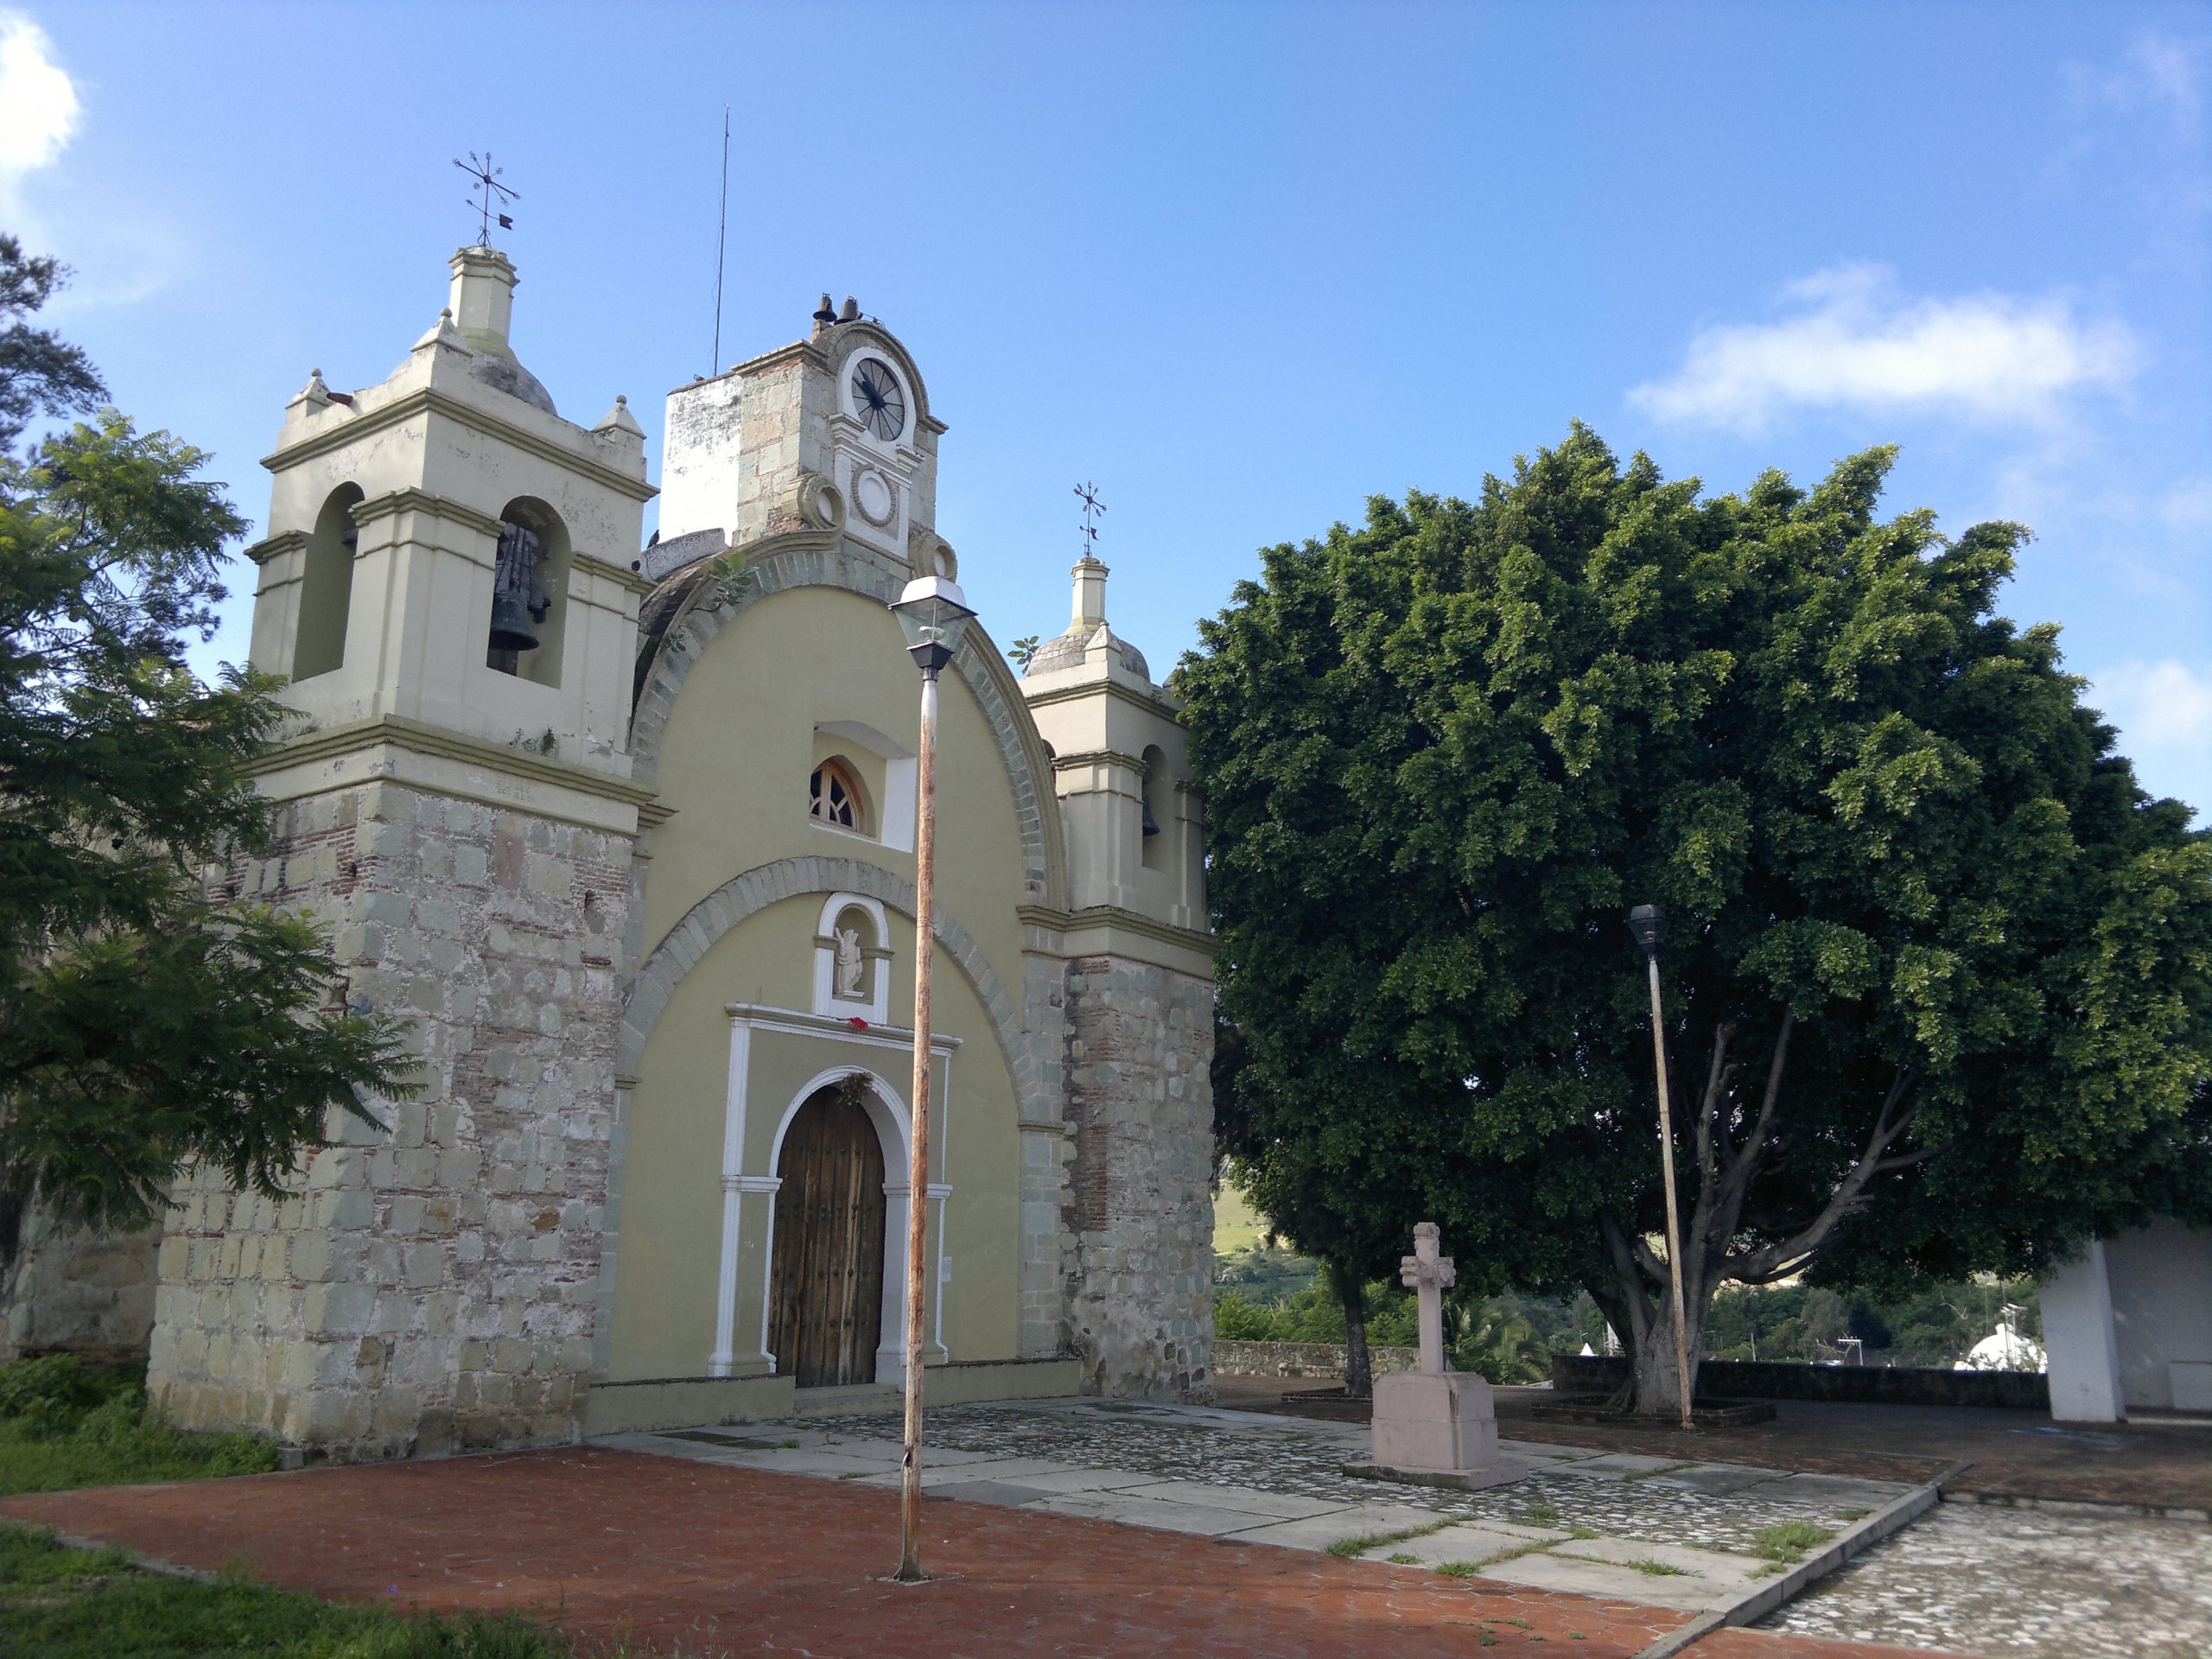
446,584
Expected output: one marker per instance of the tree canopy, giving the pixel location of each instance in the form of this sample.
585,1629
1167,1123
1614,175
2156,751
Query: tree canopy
1939,981
145,1019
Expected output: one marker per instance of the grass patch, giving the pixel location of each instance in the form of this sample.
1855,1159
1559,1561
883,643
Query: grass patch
1460,1569
61,1603
1404,1559
1655,1569
854,1474
788,1446
64,1426
1486,1639
1584,1532
1543,1514
1345,1548
1853,1515
1789,1541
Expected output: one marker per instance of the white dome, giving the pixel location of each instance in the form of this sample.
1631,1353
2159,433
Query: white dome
2005,1350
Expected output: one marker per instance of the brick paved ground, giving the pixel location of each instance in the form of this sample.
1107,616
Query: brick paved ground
2019,1454
709,1559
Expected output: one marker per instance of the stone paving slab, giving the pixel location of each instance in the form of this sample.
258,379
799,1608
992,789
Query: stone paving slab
1468,1540
1340,1526
1282,1505
1549,1570
679,1555
1720,1479
1206,1519
1729,1573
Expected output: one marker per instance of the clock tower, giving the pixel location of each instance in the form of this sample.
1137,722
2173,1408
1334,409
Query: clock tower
831,433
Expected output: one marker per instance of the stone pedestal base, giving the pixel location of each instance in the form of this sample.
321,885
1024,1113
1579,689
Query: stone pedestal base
1434,1423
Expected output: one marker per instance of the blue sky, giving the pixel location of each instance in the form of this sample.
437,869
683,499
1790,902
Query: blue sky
1241,265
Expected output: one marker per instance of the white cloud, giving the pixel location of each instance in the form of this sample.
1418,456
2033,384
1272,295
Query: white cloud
1850,338
38,101
2164,710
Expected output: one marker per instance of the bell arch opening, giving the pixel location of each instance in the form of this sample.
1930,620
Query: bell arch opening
327,587
529,592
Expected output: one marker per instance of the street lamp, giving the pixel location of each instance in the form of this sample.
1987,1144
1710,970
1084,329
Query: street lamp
933,612
1648,923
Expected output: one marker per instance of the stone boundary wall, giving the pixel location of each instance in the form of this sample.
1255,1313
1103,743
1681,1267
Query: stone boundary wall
1880,1385
1303,1359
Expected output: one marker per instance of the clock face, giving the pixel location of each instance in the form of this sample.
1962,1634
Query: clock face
878,400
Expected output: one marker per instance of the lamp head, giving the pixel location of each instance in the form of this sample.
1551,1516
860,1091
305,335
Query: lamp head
933,612
1648,923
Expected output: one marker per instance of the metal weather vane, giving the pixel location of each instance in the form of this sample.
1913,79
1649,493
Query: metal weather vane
1088,494
489,196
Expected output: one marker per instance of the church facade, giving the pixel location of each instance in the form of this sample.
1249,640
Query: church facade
628,837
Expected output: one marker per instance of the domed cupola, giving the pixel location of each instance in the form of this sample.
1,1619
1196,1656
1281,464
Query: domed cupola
483,306
1088,631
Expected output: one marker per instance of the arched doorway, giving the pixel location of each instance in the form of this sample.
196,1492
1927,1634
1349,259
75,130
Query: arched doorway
826,1280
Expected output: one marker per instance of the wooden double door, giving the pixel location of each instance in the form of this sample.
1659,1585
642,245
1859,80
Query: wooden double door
826,1281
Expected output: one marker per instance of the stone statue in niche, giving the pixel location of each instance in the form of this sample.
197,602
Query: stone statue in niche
518,600
849,965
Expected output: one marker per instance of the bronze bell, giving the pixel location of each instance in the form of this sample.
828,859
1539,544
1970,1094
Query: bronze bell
510,628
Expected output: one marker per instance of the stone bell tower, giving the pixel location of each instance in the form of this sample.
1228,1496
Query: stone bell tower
446,584
1137,1232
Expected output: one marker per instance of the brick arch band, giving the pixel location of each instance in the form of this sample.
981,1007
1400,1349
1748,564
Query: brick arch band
721,910
825,559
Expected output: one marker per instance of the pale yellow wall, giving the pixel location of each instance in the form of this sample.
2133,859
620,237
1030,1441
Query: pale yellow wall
741,744
668,1255
736,755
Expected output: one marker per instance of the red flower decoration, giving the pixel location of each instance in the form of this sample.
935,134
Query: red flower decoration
857,1023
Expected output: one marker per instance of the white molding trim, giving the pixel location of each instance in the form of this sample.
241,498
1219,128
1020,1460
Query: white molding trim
887,1113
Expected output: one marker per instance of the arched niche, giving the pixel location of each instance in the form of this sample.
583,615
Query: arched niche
554,555
852,959
327,587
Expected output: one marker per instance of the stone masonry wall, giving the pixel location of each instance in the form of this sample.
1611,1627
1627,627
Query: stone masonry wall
70,1290
431,1284
1140,1211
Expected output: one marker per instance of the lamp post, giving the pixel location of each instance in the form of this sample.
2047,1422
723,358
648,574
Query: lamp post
1648,923
933,612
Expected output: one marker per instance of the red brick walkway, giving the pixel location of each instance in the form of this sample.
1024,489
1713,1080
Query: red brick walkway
710,1559
707,1560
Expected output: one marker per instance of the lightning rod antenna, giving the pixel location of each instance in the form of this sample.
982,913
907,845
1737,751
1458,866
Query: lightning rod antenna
722,249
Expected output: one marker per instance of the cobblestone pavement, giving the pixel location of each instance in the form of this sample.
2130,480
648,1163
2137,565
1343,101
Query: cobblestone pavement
1710,1506
2027,1582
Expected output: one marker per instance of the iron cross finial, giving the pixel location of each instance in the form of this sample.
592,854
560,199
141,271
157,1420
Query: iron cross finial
494,195
1088,494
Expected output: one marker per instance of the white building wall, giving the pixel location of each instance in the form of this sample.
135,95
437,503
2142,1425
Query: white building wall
2077,1333
2161,1285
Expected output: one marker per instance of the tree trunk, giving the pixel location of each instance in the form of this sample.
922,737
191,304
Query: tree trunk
1656,1382
1359,1365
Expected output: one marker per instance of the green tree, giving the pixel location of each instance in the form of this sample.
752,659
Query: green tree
143,1019
1939,984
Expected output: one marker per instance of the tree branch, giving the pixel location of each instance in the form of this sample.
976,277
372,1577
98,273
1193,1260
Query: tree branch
1758,1267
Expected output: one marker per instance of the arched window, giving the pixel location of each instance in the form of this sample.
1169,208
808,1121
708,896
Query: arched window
327,587
834,796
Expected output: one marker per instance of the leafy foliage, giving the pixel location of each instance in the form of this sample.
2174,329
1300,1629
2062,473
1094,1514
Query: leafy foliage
64,1426
40,373
145,1019
1943,972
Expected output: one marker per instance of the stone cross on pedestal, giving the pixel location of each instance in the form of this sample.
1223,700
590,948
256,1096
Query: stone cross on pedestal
1433,1426
1430,1275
